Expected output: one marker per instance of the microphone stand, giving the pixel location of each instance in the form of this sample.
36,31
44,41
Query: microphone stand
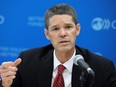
87,78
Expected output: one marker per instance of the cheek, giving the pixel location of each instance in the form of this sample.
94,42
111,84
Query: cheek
72,36
53,38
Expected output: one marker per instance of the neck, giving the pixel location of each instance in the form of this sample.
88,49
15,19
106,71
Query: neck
64,56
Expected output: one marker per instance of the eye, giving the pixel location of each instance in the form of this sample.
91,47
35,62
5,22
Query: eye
55,29
68,27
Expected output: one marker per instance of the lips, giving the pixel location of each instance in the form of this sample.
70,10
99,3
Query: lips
64,41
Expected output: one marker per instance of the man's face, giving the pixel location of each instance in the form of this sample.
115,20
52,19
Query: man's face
62,32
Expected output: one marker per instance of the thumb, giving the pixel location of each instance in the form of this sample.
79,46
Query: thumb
17,62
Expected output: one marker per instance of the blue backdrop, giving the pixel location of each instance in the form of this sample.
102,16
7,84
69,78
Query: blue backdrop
22,26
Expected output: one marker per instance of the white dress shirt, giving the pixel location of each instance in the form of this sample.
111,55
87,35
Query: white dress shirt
67,74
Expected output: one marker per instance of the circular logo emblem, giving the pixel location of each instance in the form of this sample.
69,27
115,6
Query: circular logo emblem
97,24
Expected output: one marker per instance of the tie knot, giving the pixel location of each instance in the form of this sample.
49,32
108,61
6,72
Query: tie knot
60,69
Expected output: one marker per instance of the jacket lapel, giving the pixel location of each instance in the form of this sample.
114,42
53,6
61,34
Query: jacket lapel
76,73
44,71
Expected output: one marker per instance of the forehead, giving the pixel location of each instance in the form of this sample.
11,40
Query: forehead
60,19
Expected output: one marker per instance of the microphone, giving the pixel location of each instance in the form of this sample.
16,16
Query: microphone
79,60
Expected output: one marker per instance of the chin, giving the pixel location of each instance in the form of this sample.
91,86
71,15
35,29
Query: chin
64,49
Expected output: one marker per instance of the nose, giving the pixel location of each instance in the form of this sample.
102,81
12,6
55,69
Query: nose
63,33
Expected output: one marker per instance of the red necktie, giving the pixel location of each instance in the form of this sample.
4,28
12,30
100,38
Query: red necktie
59,81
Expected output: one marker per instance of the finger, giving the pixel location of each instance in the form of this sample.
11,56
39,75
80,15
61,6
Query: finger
10,68
10,78
8,74
17,62
6,65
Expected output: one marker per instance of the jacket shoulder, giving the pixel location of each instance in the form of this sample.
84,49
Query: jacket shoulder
92,57
36,51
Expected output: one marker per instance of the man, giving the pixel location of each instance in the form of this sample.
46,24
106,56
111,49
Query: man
38,67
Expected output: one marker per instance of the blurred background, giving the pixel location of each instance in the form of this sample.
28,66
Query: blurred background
22,26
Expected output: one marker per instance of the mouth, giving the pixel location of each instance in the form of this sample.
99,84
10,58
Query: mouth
64,42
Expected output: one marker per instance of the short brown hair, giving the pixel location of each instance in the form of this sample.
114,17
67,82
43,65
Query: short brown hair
59,10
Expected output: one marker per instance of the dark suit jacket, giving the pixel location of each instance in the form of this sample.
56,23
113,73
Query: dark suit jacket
37,66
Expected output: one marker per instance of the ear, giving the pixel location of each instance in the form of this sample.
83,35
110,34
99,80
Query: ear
46,33
77,29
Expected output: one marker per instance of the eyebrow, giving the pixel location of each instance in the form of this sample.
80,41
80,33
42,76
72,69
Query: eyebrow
57,25
54,26
68,24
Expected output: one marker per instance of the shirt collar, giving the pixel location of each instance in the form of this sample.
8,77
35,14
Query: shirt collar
68,64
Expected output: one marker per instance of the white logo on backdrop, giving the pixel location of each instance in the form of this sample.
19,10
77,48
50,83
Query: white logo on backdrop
113,24
10,51
36,21
2,19
103,24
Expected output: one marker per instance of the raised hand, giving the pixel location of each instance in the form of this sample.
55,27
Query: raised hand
8,72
